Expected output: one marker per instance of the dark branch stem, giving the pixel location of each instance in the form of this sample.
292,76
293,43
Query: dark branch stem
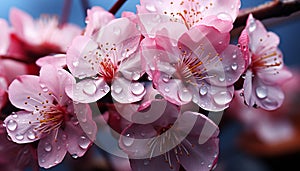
117,6
85,6
276,8
66,12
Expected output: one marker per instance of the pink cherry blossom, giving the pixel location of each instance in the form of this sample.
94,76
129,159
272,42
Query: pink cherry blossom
49,116
266,71
220,14
188,139
199,65
58,60
108,60
44,34
97,17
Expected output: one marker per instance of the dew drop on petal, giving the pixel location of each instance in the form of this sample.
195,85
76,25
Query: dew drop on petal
221,78
222,98
31,135
117,89
75,63
234,66
224,16
203,90
167,89
209,166
14,115
150,7
90,88
137,88
261,92
19,137
166,79
84,142
184,95
48,147
252,25
135,75
75,156
127,140
11,125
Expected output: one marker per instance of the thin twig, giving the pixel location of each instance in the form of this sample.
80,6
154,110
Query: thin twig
85,6
117,6
66,12
276,8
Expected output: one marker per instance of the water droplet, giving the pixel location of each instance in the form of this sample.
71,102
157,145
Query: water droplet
137,88
220,42
90,88
75,156
14,115
84,142
222,98
127,140
12,125
203,90
234,66
45,89
31,135
75,63
167,89
146,162
150,7
135,75
221,78
166,79
81,76
234,56
43,160
184,95
202,163
261,92
19,137
209,166
252,25
224,16
117,31
48,147
117,89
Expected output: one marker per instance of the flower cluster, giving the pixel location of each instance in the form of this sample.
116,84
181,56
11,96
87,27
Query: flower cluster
156,75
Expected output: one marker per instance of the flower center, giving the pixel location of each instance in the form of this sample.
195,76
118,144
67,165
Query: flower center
267,61
52,118
107,69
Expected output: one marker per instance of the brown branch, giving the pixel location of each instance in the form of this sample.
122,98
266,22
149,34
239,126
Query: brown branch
276,8
65,12
117,6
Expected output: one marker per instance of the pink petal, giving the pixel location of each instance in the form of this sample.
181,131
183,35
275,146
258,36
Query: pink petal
97,17
26,92
24,26
13,69
244,45
52,149
58,60
121,34
211,97
275,77
222,22
21,126
79,58
134,139
88,90
131,67
78,142
229,69
56,79
4,34
3,92
201,143
126,91
260,39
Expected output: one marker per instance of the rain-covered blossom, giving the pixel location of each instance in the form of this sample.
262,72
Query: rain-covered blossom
109,60
195,65
49,116
265,68
220,14
176,138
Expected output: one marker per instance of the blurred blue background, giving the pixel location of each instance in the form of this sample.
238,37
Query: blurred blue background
231,159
